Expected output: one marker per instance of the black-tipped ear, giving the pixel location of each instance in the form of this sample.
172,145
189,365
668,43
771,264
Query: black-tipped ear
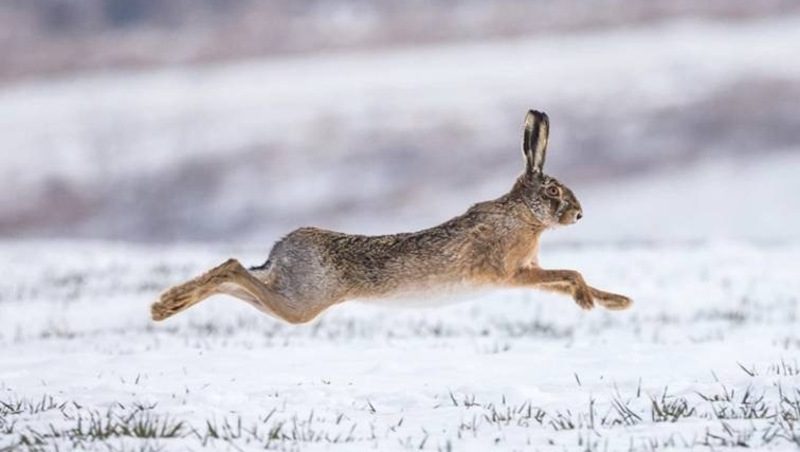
534,140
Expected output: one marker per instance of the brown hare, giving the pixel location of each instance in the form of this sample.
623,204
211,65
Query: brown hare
493,244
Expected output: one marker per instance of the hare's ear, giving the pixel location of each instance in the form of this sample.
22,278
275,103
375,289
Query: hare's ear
534,141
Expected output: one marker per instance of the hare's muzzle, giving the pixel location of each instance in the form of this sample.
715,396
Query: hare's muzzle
571,216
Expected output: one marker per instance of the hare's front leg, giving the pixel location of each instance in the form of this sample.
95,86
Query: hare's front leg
608,300
568,282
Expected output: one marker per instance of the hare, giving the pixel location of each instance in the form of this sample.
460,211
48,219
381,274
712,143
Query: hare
493,244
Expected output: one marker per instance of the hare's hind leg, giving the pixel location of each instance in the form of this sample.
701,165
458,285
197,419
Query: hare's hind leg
271,302
232,279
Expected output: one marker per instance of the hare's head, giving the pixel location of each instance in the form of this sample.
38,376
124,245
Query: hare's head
550,201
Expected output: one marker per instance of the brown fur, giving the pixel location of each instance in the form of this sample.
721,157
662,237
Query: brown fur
495,244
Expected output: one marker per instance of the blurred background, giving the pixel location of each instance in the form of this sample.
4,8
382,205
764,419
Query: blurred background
236,121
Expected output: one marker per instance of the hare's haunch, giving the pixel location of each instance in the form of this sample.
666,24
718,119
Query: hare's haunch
493,244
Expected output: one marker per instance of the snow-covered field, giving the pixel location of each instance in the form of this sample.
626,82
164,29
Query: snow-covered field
707,358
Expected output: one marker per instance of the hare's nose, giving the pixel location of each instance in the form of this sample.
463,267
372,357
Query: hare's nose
579,216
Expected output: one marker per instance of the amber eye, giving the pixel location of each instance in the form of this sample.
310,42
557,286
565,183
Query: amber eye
553,191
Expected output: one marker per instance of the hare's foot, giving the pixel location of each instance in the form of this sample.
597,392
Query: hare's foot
610,300
173,301
183,296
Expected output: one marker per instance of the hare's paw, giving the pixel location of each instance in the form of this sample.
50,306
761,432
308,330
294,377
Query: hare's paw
159,312
172,302
613,301
584,299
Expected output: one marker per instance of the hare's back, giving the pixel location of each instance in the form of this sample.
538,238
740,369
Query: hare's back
346,253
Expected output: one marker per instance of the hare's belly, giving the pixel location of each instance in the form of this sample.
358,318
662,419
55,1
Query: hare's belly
435,296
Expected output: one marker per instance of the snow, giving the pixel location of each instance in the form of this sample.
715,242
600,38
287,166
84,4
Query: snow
74,327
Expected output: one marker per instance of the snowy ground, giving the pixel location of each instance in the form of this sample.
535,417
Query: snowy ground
707,358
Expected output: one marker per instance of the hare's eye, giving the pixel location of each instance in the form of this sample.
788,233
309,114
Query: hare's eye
553,191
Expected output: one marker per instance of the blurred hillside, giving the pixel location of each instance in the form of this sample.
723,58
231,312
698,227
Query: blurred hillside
236,121
60,36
